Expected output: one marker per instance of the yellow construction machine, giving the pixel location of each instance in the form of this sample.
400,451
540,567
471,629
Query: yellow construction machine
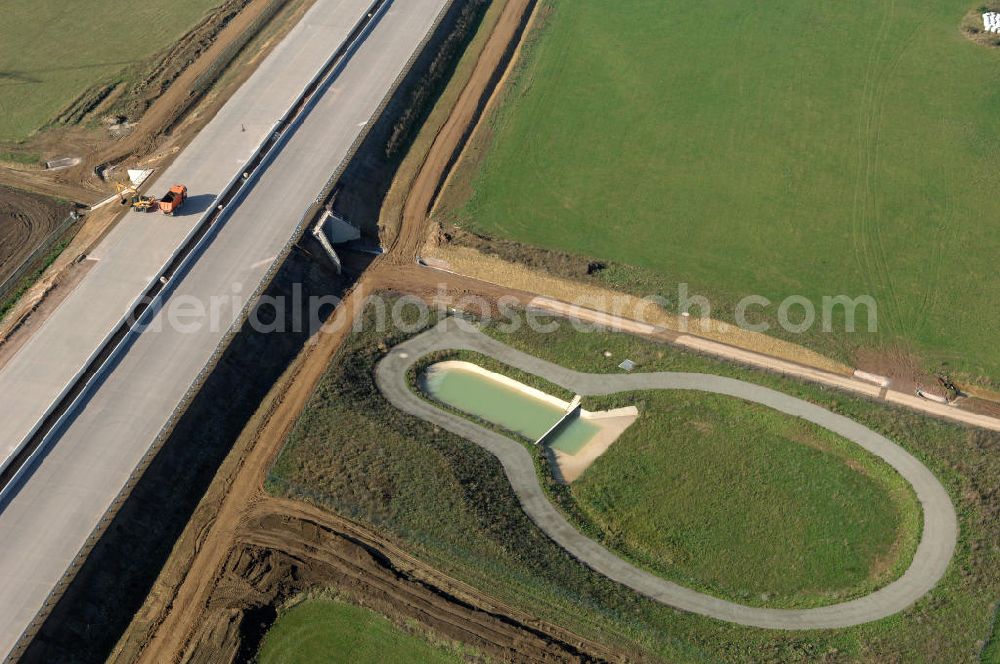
129,195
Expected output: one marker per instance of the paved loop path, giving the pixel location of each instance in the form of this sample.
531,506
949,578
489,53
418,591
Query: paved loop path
940,525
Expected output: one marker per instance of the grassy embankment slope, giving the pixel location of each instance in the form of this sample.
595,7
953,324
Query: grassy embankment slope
448,502
51,52
770,148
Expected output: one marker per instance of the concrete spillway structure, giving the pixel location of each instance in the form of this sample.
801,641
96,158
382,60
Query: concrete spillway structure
930,562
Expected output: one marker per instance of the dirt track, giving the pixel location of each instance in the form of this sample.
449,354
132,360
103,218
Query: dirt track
489,73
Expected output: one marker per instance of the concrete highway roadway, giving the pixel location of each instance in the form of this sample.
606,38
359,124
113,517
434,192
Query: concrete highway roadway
49,518
141,244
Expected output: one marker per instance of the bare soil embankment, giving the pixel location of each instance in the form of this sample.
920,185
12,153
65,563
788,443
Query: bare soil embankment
284,548
26,220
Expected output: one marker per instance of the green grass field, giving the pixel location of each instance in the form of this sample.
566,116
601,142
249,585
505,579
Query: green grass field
448,502
747,503
51,52
991,651
321,630
762,148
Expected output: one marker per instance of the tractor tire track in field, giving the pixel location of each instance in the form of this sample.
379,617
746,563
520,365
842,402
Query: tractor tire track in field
866,223
943,238
859,220
902,318
859,210
522,83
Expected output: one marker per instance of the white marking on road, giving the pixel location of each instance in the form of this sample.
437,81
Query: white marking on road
262,263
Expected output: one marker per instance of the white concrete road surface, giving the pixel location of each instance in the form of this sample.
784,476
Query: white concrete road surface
137,248
49,519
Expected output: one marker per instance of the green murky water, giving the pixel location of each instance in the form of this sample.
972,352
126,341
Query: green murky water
485,398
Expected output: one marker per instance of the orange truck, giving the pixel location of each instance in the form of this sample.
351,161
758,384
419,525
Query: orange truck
174,199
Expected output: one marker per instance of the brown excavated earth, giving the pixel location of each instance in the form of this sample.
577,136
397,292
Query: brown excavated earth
26,220
284,548
479,93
